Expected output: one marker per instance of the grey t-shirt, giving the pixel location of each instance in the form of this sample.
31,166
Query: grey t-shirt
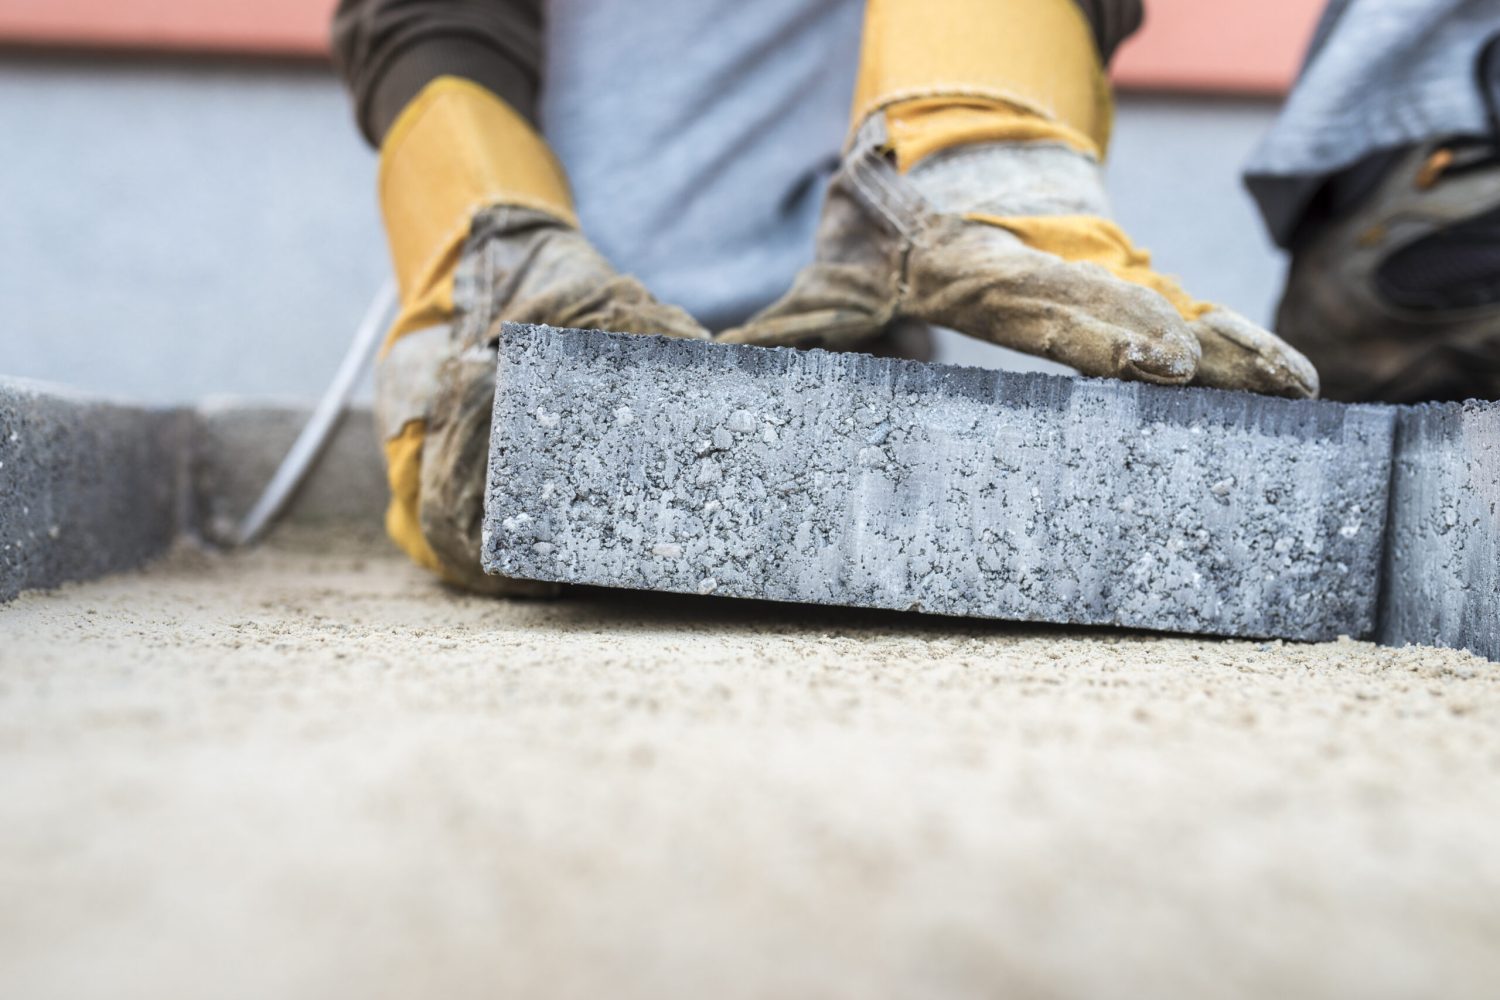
696,165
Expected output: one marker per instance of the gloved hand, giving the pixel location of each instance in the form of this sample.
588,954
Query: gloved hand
970,197
482,232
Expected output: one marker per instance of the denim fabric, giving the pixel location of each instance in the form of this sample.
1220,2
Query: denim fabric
1380,74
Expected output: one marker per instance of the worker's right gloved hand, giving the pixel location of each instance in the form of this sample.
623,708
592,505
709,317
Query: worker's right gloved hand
970,197
482,232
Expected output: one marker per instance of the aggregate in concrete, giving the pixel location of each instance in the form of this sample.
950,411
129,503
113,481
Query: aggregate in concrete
1442,573
825,478
87,487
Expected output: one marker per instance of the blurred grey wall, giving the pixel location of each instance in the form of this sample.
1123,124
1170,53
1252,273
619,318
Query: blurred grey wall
168,231
180,229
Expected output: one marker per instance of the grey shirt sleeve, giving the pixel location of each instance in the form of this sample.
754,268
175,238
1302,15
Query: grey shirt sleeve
386,51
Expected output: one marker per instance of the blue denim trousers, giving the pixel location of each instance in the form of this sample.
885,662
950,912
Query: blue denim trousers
1379,74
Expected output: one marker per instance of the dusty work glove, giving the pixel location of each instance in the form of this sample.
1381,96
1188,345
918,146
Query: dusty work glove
482,232
971,197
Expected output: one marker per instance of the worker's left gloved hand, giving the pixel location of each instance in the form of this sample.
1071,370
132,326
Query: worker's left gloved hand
1010,242
970,196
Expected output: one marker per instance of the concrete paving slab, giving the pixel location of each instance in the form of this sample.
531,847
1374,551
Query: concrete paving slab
1443,546
824,478
87,486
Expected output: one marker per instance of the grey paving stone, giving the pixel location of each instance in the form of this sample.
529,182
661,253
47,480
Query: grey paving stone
1442,568
86,487
845,479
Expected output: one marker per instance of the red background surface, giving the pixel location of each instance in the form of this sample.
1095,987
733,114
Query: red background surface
1238,46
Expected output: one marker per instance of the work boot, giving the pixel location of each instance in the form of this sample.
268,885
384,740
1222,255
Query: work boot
1398,299
970,196
482,233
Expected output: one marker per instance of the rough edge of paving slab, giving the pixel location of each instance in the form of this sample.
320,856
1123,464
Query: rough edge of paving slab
806,476
87,486
1442,570
237,446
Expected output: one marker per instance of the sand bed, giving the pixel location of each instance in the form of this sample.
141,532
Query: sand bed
317,776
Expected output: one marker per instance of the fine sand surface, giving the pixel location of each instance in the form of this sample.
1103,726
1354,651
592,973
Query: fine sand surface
324,776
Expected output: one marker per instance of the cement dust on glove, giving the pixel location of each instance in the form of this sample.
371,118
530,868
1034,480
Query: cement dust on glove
970,196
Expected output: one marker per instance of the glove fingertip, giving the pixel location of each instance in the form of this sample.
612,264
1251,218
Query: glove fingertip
1166,361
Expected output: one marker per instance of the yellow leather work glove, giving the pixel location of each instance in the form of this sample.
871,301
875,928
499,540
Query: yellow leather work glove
970,196
482,231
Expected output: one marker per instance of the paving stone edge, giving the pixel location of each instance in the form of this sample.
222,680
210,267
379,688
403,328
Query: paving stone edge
91,486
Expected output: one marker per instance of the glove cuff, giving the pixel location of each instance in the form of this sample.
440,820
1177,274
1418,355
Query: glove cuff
1010,179
1015,69
454,150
